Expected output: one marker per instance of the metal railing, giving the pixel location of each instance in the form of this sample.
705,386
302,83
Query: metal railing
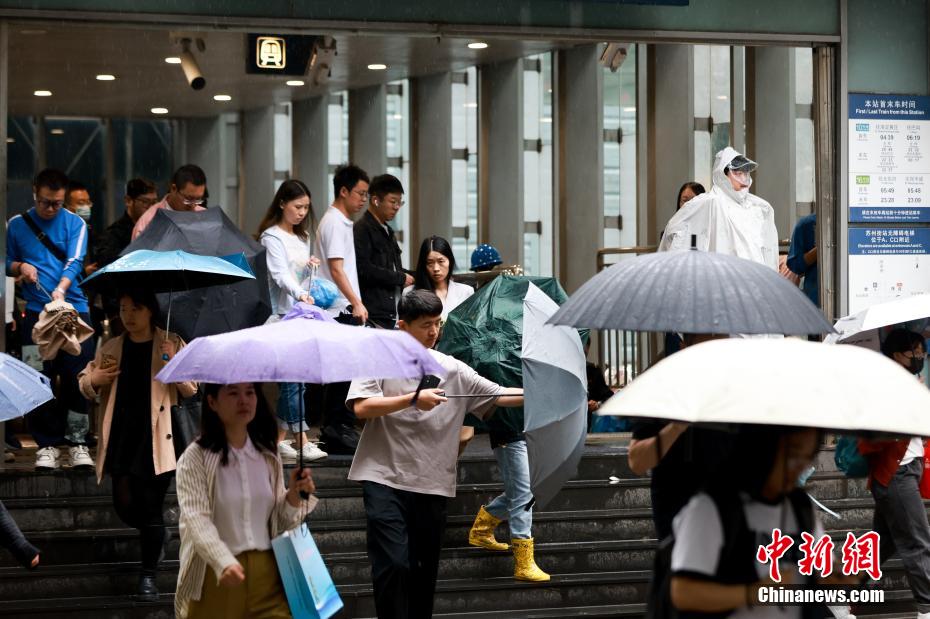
624,354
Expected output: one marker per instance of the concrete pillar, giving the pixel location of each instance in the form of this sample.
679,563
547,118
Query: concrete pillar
368,129
774,116
580,164
672,124
501,147
311,150
431,158
203,136
257,167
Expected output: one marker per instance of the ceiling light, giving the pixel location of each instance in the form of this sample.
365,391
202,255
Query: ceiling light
173,60
545,119
471,104
57,131
398,117
43,93
222,98
10,140
159,110
105,77
377,66
631,110
295,82
478,45
722,97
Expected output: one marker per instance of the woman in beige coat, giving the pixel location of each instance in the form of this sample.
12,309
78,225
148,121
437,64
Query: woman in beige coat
136,447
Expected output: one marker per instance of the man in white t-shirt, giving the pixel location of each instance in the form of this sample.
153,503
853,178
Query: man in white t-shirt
335,247
335,242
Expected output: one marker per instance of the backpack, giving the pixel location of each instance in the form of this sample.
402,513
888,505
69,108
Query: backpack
848,459
732,567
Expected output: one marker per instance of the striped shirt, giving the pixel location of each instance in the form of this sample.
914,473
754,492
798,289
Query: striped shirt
201,544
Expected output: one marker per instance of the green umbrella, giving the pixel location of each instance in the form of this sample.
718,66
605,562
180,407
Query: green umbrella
486,332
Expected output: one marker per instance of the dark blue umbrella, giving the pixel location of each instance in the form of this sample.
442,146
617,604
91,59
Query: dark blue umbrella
692,291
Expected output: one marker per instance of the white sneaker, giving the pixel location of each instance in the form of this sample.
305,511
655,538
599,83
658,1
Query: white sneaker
80,456
311,452
47,458
287,453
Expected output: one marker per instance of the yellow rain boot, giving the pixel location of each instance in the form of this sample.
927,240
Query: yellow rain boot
482,532
526,568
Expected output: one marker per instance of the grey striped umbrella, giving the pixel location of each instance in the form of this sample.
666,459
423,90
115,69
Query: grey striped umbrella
692,291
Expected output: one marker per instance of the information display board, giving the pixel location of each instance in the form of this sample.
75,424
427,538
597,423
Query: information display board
889,158
886,263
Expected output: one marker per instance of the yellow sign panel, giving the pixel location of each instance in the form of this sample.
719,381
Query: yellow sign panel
270,53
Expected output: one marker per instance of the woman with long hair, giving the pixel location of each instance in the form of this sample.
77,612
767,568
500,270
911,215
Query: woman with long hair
435,266
135,446
233,503
285,234
688,191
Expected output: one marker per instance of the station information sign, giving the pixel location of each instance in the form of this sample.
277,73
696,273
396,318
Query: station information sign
887,262
889,158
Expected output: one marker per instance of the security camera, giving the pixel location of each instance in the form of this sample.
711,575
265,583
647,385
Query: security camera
321,62
189,64
613,56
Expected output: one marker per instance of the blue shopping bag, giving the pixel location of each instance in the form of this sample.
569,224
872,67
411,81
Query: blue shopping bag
310,590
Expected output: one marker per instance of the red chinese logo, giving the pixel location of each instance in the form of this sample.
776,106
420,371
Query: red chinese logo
860,554
816,555
773,552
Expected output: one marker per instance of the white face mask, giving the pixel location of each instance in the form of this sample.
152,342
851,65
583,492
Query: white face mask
83,211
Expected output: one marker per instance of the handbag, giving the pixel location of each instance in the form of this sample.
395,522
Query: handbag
185,423
307,584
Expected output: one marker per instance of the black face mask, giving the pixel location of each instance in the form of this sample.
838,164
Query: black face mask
915,365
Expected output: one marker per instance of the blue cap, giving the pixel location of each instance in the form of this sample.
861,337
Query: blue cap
484,257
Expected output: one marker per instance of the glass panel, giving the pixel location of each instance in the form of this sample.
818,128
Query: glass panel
398,146
711,99
620,179
465,172
537,166
338,137
804,75
804,160
282,140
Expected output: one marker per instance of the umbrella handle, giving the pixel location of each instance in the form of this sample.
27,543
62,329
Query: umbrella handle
164,356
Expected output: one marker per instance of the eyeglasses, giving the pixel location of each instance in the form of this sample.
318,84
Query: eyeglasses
55,204
362,194
397,203
192,201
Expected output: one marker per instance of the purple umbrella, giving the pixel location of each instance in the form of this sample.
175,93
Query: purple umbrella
301,350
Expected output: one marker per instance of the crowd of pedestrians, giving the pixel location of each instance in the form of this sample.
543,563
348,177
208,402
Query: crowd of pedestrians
230,480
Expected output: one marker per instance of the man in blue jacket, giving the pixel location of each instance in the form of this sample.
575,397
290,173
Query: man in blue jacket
45,246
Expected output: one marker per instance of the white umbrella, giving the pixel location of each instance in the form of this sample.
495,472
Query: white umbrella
556,404
785,382
863,328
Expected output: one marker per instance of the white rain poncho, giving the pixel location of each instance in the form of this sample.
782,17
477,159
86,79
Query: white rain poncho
726,221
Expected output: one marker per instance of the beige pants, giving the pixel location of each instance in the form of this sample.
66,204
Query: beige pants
260,596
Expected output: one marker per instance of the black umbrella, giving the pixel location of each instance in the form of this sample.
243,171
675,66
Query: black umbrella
692,292
217,309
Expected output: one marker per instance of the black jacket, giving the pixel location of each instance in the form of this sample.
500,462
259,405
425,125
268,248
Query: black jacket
114,239
380,273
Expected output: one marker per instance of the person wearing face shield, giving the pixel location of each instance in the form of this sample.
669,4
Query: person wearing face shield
727,219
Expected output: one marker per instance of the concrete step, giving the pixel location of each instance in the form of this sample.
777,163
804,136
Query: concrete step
89,607
476,467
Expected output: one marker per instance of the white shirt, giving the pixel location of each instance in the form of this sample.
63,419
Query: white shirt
456,294
699,541
915,449
244,500
287,256
334,239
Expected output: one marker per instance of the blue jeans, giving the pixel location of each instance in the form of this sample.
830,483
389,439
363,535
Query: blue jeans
515,469
291,407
